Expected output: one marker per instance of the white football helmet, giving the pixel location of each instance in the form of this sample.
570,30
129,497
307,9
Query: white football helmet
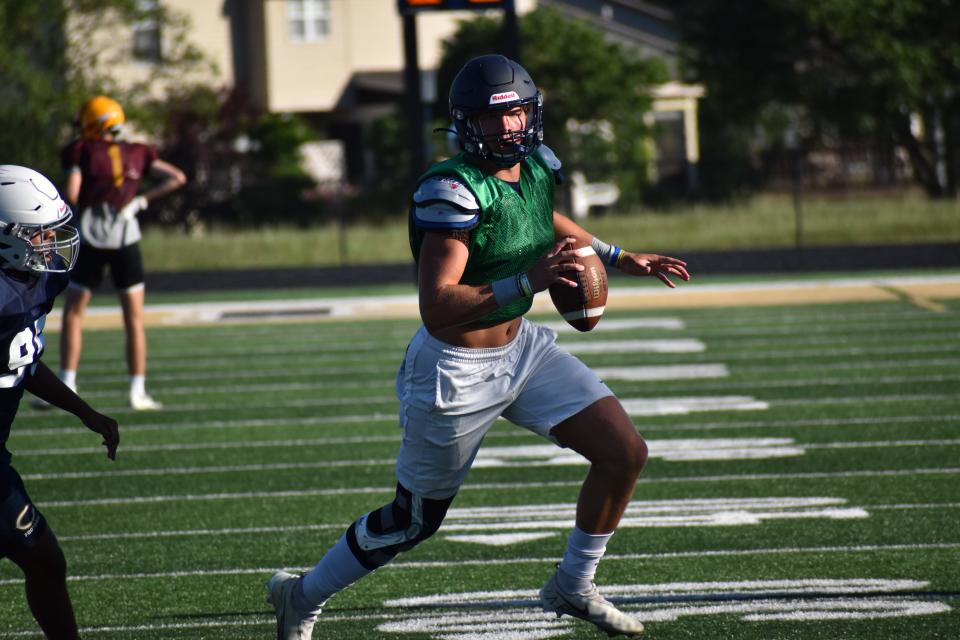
34,234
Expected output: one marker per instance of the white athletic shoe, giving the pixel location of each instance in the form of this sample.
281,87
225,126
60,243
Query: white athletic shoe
292,624
143,402
590,606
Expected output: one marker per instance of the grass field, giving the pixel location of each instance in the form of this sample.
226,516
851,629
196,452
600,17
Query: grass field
803,482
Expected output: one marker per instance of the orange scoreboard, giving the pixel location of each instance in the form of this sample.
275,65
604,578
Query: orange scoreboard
407,6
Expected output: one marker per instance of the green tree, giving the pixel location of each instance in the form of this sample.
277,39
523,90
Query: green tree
840,69
586,80
34,71
51,63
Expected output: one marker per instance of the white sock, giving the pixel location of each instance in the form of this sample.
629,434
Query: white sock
580,560
334,573
138,385
69,378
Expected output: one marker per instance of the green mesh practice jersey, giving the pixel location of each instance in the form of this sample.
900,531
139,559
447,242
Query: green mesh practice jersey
508,234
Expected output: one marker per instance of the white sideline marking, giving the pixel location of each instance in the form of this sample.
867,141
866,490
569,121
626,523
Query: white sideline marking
666,372
388,491
635,346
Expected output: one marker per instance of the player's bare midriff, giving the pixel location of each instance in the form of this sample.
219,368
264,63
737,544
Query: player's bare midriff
479,338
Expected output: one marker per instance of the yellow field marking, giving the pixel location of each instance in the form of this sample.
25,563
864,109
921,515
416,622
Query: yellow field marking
923,292
921,297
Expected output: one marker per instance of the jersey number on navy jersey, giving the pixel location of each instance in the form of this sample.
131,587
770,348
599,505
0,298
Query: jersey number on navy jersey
25,348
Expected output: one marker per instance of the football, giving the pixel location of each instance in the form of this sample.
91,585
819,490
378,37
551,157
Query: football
582,307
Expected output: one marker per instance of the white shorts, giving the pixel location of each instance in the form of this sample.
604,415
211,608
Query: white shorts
450,396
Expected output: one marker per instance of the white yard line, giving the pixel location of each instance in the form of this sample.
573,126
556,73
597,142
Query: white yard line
547,561
316,442
388,372
234,531
508,486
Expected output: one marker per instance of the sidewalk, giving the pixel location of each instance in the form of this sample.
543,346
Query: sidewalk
923,291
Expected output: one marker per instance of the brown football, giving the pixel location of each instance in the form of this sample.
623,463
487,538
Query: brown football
582,307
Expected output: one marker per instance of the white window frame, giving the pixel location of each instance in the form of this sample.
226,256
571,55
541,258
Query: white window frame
313,16
147,31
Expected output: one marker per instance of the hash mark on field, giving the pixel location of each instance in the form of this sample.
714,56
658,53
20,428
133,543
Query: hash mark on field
621,324
684,405
635,346
665,372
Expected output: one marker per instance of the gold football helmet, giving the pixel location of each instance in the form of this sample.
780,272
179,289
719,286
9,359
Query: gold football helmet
100,115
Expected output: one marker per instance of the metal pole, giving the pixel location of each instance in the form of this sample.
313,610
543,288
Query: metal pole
411,81
511,32
797,200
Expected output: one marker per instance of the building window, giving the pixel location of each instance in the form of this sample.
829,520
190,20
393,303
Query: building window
146,32
308,20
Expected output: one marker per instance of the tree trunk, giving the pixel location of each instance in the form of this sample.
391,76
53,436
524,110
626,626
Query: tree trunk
924,167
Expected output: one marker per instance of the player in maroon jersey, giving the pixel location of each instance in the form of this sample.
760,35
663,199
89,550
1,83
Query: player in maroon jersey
104,176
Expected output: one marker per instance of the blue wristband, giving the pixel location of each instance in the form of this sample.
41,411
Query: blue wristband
609,254
614,255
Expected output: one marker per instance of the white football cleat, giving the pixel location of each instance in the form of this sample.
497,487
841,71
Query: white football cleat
292,624
143,402
589,606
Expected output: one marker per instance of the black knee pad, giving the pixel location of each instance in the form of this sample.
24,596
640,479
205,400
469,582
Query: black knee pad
398,526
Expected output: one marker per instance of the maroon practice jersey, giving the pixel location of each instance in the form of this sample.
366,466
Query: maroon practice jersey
111,170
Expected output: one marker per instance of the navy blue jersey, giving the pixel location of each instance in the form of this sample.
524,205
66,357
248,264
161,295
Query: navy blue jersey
25,302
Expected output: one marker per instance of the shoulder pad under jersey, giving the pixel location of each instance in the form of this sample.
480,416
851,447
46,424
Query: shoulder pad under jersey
443,202
548,156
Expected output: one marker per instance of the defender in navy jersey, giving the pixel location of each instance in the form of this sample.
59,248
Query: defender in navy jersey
37,250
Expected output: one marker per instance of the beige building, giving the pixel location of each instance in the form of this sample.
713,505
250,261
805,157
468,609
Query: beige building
341,61
299,55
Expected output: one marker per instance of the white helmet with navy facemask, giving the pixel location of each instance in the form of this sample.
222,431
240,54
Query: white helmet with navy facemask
30,206
495,83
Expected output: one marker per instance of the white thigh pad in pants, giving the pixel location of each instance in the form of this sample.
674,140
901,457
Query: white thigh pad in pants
450,396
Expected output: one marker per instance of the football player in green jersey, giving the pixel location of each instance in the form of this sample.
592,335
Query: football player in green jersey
486,238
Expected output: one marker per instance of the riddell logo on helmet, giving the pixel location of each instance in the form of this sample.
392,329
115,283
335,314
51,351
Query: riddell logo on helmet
504,97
